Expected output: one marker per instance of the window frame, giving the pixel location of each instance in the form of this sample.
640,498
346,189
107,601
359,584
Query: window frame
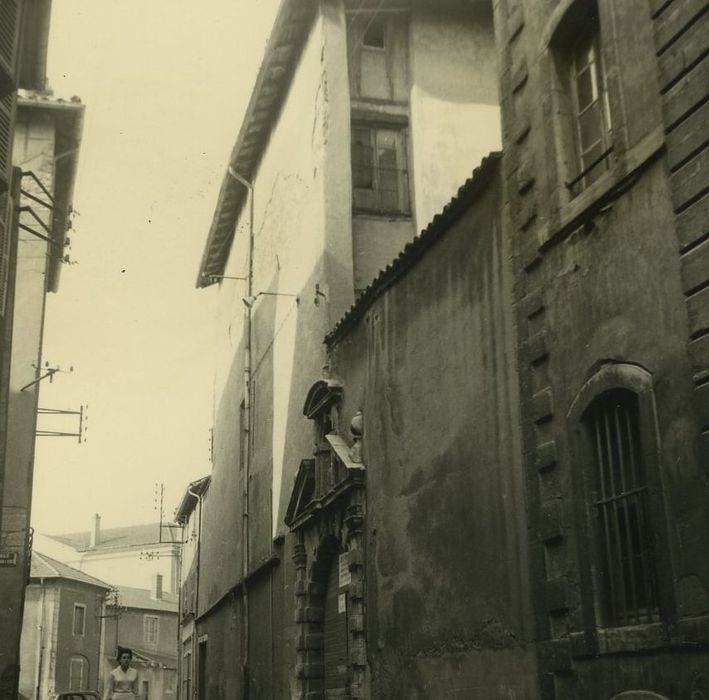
618,599
83,662
74,633
599,635
393,55
588,173
146,618
369,200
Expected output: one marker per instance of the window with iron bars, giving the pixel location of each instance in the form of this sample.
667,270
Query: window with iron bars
380,178
624,535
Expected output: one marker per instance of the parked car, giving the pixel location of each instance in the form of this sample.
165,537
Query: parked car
75,695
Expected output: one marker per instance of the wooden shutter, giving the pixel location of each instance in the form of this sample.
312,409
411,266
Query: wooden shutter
7,122
10,22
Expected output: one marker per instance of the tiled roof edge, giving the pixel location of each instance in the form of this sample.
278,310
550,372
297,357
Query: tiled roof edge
290,13
415,250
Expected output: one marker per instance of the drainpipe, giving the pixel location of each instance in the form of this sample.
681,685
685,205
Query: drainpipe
248,301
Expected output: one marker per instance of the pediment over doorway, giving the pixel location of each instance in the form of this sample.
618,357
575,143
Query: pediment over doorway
303,491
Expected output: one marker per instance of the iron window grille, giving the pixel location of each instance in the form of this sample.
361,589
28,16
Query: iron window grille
591,111
380,176
626,545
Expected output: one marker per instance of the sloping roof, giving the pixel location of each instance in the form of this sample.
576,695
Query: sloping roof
283,50
42,566
416,249
140,598
189,502
119,537
68,117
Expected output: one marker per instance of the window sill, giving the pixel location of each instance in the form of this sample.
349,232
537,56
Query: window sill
691,632
380,215
572,213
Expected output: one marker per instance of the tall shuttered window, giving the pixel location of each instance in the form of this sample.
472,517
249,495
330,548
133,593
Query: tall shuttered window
10,19
626,548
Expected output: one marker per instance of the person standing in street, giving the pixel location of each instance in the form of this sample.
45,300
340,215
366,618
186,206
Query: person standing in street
123,680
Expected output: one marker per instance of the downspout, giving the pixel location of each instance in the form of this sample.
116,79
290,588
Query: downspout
247,429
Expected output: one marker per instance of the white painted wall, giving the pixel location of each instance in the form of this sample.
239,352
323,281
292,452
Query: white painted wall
455,115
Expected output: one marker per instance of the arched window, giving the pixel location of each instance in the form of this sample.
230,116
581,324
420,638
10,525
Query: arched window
621,512
624,560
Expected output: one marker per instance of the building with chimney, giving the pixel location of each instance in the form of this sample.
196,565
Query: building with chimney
62,630
125,556
146,621
40,135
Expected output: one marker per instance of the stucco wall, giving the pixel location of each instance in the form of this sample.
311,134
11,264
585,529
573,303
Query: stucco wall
455,115
299,215
431,366
34,149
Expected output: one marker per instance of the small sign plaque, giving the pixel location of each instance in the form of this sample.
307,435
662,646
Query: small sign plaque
345,576
342,603
8,558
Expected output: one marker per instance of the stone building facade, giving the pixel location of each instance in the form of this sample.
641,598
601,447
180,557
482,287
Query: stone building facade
490,481
604,133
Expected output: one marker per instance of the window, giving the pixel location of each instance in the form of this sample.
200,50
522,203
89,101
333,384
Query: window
378,61
590,110
145,691
151,629
380,177
79,625
623,528
77,673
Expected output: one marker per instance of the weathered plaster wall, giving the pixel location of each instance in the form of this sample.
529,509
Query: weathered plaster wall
455,115
431,366
66,644
376,241
34,149
302,235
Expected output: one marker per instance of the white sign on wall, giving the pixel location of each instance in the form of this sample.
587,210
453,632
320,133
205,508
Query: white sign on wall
342,603
345,576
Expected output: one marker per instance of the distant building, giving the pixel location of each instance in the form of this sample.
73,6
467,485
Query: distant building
62,630
189,516
125,556
39,135
145,620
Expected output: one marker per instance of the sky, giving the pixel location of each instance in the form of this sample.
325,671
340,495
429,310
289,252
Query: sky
165,84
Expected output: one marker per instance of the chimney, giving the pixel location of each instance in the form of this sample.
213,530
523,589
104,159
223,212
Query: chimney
156,587
96,531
